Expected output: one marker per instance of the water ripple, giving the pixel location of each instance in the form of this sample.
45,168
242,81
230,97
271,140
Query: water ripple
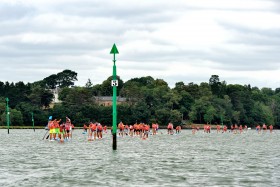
249,159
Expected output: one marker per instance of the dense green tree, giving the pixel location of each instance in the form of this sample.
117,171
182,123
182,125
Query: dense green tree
91,112
2,105
257,95
185,103
159,93
106,87
267,91
160,83
175,117
209,114
64,92
144,81
26,108
236,117
66,78
223,109
88,84
215,84
79,119
262,114
172,99
61,111
96,90
132,92
193,90
16,93
242,102
2,88
125,114
147,100
76,96
106,115
180,87
40,83
141,112
40,96
162,116
275,107
199,109
51,81
205,90
16,118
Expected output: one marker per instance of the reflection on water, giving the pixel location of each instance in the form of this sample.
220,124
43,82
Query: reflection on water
249,159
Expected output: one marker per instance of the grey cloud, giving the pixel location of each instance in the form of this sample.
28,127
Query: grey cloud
197,79
254,36
34,61
30,69
13,48
14,11
262,52
246,60
276,7
136,19
166,55
130,12
146,66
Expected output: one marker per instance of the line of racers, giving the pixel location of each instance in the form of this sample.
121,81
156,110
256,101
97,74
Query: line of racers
95,130
233,128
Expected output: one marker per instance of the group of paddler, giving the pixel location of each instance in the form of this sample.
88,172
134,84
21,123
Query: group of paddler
233,128
138,129
142,130
95,130
170,129
60,132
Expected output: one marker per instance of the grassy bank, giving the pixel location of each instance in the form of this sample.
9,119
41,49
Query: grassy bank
22,127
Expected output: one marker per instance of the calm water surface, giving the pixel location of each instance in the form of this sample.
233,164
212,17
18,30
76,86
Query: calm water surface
248,159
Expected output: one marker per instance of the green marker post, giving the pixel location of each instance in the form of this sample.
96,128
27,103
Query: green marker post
32,121
8,115
114,84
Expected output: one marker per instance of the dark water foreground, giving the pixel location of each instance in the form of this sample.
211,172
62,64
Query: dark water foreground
249,159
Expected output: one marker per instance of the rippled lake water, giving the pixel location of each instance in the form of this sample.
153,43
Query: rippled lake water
248,159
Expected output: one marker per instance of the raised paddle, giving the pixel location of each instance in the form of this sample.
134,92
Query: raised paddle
47,129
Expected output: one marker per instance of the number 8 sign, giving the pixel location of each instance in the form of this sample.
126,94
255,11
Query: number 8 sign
114,83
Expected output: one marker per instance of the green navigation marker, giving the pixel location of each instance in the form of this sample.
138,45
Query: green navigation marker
8,115
114,50
32,121
114,84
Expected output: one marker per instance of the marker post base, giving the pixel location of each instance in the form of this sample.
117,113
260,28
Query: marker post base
114,141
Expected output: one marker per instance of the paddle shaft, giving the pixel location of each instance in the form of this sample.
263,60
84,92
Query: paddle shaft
45,135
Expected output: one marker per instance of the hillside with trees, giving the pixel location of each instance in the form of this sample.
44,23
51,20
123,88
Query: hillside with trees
147,100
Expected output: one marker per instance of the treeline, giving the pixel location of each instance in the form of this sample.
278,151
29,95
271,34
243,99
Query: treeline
148,100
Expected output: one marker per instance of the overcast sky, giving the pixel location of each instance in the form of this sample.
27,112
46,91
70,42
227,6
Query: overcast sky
179,40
